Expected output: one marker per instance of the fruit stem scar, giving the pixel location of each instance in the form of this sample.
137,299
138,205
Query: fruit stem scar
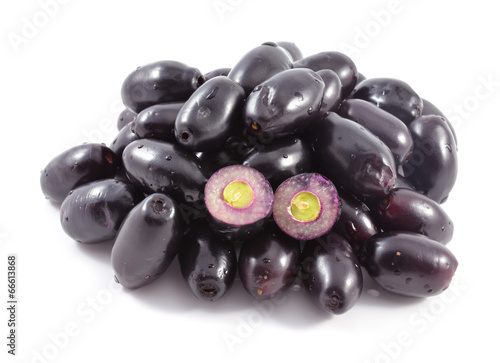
305,206
238,194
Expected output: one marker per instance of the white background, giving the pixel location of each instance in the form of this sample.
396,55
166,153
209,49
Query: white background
60,77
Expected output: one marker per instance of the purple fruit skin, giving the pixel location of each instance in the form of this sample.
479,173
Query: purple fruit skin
433,167
352,157
269,263
409,264
331,273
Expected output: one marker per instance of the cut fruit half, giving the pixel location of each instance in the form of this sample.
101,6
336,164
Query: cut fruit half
238,198
306,206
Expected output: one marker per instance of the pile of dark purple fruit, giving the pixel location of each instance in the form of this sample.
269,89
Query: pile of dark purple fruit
283,169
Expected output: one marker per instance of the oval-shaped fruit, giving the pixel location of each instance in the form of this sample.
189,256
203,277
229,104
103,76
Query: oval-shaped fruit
239,200
76,166
331,273
391,95
433,166
124,137
147,242
306,206
388,128
268,263
409,264
332,94
292,49
124,118
208,263
281,159
259,64
337,62
94,211
431,109
285,103
157,121
216,72
159,82
407,210
162,167
355,222
352,157
211,115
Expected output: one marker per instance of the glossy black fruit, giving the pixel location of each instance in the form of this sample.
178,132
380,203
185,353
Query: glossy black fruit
332,93
355,221
268,263
239,201
147,241
208,262
388,128
433,167
124,137
285,103
94,211
216,72
409,264
352,157
124,118
76,166
211,115
391,95
162,167
407,210
259,64
157,121
337,62
431,109
331,273
281,159
292,49
159,82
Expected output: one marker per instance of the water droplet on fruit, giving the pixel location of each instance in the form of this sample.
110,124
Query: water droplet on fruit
353,156
266,260
168,157
299,96
257,89
147,277
310,111
211,265
155,86
285,156
140,146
